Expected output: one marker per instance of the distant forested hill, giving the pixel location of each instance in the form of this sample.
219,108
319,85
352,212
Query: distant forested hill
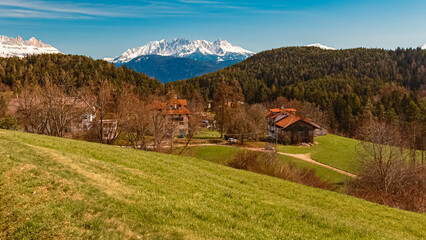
347,84
72,70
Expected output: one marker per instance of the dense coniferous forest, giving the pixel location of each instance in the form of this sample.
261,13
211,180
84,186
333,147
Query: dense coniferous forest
70,70
348,85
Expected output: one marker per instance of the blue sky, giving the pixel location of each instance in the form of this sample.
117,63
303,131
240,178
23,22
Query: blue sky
107,28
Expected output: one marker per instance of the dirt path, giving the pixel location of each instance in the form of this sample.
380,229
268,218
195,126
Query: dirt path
303,157
307,158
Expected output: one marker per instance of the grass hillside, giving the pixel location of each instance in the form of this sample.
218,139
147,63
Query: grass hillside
224,155
60,188
332,150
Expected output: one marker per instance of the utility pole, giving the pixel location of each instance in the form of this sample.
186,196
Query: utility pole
276,135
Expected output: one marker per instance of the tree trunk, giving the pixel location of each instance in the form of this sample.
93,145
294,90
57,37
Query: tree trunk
186,145
223,119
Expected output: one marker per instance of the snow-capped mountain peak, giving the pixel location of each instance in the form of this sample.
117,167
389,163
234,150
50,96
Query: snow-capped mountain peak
17,47
320,46
423,47
218,50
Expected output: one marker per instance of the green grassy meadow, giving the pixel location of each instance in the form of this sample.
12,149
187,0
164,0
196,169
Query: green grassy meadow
322,172
207,134
52,188
217,154
223,155
332,150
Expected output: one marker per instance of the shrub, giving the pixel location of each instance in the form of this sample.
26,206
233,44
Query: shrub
8,122
247,160
407,191
269,164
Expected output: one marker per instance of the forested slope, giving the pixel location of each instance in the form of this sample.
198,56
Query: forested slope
347,84
70,70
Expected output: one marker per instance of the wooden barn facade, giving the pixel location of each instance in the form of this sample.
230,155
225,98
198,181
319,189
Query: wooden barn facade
285,127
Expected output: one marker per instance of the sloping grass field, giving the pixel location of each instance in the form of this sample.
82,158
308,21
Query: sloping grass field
224,155
52,188
332,150
217,154
322,172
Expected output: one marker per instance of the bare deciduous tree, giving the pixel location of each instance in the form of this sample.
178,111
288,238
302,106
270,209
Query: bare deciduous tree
31,114
247,122
48,109
62,109
160,125
227,96
135,113
256,114
105,123
196,106
389,175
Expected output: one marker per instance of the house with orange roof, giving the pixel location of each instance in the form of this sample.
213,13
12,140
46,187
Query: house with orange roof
177,114
286,127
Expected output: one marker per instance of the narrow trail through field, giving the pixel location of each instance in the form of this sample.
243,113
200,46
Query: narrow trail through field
307,158
303,157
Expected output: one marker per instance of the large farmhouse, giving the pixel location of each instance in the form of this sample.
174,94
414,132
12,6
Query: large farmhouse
285,127
177,115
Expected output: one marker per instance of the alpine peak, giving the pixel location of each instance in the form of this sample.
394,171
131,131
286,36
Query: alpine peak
203,50
17,47
319,45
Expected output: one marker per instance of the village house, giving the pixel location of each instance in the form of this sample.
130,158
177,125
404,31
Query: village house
177,115
284,126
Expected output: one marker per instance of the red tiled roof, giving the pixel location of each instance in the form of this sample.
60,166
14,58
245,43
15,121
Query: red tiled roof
275,112
289,117
184,102
166,107
275,115
282,110
292,119
309,121
182,111
287,121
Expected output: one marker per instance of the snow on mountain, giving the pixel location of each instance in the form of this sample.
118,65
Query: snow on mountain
423,47
108,59
198,50
320,46
17,47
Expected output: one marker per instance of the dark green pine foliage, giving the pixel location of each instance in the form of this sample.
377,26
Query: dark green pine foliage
71,70
347,84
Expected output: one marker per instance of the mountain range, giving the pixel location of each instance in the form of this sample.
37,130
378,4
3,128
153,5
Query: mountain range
17,47
200,50
166,61
181,58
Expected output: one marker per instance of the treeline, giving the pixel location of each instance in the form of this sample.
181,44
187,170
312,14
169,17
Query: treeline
349,85
71,71
99,112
